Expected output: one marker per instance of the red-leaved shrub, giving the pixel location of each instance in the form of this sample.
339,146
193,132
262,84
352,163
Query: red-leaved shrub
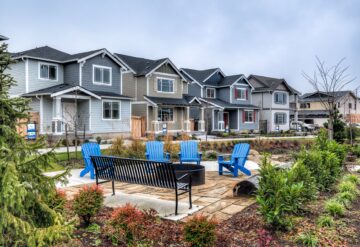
87,202
128,225
200,231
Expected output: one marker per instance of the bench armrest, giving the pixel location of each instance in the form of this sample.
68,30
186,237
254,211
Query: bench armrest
184,176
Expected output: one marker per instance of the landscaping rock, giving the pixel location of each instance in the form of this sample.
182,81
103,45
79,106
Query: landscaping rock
254,156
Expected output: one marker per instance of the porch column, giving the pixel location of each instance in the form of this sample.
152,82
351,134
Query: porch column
57,118
202,120
187,119
156,118
221,123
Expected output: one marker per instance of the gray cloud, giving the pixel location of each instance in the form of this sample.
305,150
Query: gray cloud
274,38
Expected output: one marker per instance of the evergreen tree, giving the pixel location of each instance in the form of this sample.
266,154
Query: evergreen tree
25,217
338,126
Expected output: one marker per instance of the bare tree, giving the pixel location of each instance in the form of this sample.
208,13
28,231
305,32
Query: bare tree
327,81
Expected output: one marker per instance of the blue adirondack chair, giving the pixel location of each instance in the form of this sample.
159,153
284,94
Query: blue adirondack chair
155,152
237,160
88,149
189,152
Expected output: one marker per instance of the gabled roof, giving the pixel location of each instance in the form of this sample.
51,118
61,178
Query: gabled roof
223,104
66,88
3,38
270,83
185,101
143,66
48,53
318,96
199,75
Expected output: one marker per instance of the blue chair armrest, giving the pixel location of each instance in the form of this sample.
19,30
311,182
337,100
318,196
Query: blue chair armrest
200,155
179,155
167,156
147,155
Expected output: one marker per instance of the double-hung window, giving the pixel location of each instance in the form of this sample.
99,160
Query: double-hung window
48,71
165,85
280,98
280,118
249,116
241,93
111,110
210,93
166,114
101,75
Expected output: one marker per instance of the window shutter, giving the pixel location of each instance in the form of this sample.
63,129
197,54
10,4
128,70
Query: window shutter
243,115
246,94
254,116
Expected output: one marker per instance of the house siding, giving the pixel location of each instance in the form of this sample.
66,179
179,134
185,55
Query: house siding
139,110
178,87
34,104
129,84
194,90
17,71
47,114
83,112
98,125
238,101
71,73
214,79
87,74
141,88
35,83
249,126
166,68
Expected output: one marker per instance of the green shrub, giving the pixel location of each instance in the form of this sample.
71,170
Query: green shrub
308,239
58,200
334,207
346,198
98,140
352,178
356,150
325,221
118,148
136,150
299,173
278,195
87,202
347,186
199,231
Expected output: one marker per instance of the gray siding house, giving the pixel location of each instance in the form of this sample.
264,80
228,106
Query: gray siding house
82,90
161,94
272,96
228,100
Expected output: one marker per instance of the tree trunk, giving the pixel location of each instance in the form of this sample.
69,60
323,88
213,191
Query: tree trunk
331,125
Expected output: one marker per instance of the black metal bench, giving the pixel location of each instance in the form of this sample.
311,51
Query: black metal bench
143,172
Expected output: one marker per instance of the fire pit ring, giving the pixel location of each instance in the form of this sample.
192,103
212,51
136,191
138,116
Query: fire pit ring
197,173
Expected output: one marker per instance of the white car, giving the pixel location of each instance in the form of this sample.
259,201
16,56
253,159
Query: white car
299,126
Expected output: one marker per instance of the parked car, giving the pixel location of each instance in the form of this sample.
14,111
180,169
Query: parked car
301,126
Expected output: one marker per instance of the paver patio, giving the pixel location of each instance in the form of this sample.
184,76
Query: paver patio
214,198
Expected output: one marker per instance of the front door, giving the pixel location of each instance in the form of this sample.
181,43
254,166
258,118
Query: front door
226,120
69,115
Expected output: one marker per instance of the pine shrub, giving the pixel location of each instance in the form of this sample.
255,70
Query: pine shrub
118,148
200,231
26,218
88,202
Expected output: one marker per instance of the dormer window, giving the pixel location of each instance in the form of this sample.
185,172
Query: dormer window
102,75
48,71
210,93
165,85
241,93
280,98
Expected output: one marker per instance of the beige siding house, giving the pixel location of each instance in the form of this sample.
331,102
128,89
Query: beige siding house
161,94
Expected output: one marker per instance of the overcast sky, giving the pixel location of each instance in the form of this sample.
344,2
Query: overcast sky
271,38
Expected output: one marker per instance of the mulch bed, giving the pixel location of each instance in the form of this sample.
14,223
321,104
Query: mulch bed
246,228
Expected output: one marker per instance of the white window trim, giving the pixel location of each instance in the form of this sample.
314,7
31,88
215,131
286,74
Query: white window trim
286,96
242,89
286,120
52,64
252,111
206,94
164,78
102,110
173,121
101,67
